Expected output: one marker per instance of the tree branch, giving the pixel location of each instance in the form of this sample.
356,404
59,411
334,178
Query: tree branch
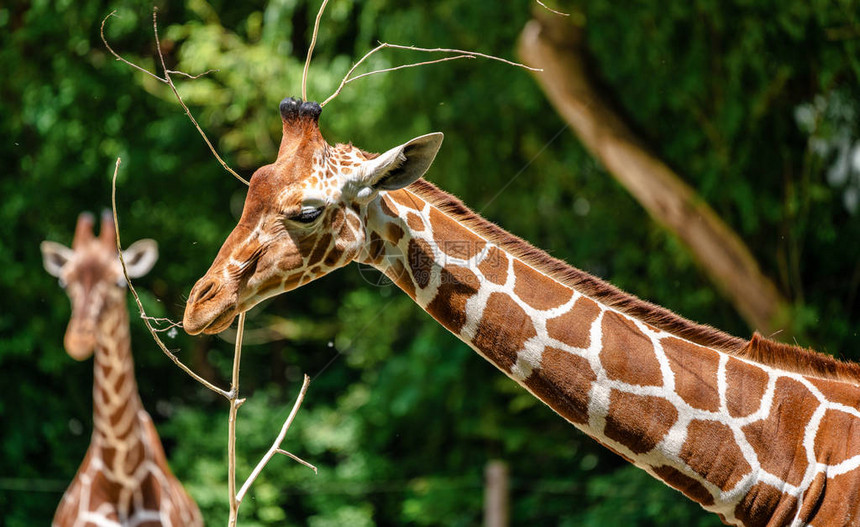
276,446
461,54
551,10
146,319
558,47
231,422
167,80
234,498
311,50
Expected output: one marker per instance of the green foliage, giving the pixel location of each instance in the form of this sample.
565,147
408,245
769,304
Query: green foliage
401,417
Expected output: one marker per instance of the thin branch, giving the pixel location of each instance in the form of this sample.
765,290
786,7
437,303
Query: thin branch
465,52
404,66
297,459
117,55
143,314
311,51
190,76
167,80
163,320
276,446
348,73
551,10
181,102
384,45
231,422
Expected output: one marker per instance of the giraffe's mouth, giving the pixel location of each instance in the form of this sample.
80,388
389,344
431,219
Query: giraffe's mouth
211,307
221,322
80,344
211,322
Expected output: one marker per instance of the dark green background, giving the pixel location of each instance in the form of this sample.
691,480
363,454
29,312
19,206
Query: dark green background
750,101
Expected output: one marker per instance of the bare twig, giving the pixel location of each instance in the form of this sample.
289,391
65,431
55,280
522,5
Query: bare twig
117,55
384,45
190,76
551,10
276,446
311,51
465,52
404,66
163,320
231,422
167,80
235,499
297,459
143,315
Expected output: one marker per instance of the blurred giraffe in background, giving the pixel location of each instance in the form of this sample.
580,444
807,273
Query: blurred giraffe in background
755,431
124,479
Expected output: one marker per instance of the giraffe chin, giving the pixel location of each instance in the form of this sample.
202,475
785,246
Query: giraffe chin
209,325
221,322
79,344
80,351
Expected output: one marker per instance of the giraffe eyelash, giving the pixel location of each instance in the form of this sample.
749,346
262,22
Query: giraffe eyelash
307,215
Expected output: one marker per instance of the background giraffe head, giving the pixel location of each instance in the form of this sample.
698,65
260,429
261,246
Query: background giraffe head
91,274
302,216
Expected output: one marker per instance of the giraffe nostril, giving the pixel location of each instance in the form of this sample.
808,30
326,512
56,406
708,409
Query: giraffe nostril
207,291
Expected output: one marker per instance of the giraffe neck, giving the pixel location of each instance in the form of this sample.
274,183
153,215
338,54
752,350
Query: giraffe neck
124,478
118,426
735,436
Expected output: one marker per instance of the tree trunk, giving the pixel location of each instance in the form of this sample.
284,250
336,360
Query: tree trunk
556,45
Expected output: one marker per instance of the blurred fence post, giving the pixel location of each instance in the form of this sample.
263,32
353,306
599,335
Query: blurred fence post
496,494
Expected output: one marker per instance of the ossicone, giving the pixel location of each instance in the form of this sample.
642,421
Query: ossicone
292,108
83,229
107,231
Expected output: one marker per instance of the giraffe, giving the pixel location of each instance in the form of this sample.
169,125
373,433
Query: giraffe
755,431
124,479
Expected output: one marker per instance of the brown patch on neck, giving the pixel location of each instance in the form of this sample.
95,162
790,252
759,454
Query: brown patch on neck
684,483
627,354
501,348
393,233
759,349
765,505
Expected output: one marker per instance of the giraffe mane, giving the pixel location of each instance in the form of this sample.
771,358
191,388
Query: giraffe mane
758,349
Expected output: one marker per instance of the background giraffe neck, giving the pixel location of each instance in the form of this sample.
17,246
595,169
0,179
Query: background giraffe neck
117,427
124,478
696,417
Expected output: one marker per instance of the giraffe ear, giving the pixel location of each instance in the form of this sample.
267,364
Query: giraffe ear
140,257
401,165
55,256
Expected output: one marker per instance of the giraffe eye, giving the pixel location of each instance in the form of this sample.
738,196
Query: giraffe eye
307,215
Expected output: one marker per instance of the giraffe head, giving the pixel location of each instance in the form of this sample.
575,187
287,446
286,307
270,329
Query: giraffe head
91,274
302,216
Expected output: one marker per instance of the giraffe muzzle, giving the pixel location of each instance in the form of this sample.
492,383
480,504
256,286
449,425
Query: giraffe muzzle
210,309
204,291
80,340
